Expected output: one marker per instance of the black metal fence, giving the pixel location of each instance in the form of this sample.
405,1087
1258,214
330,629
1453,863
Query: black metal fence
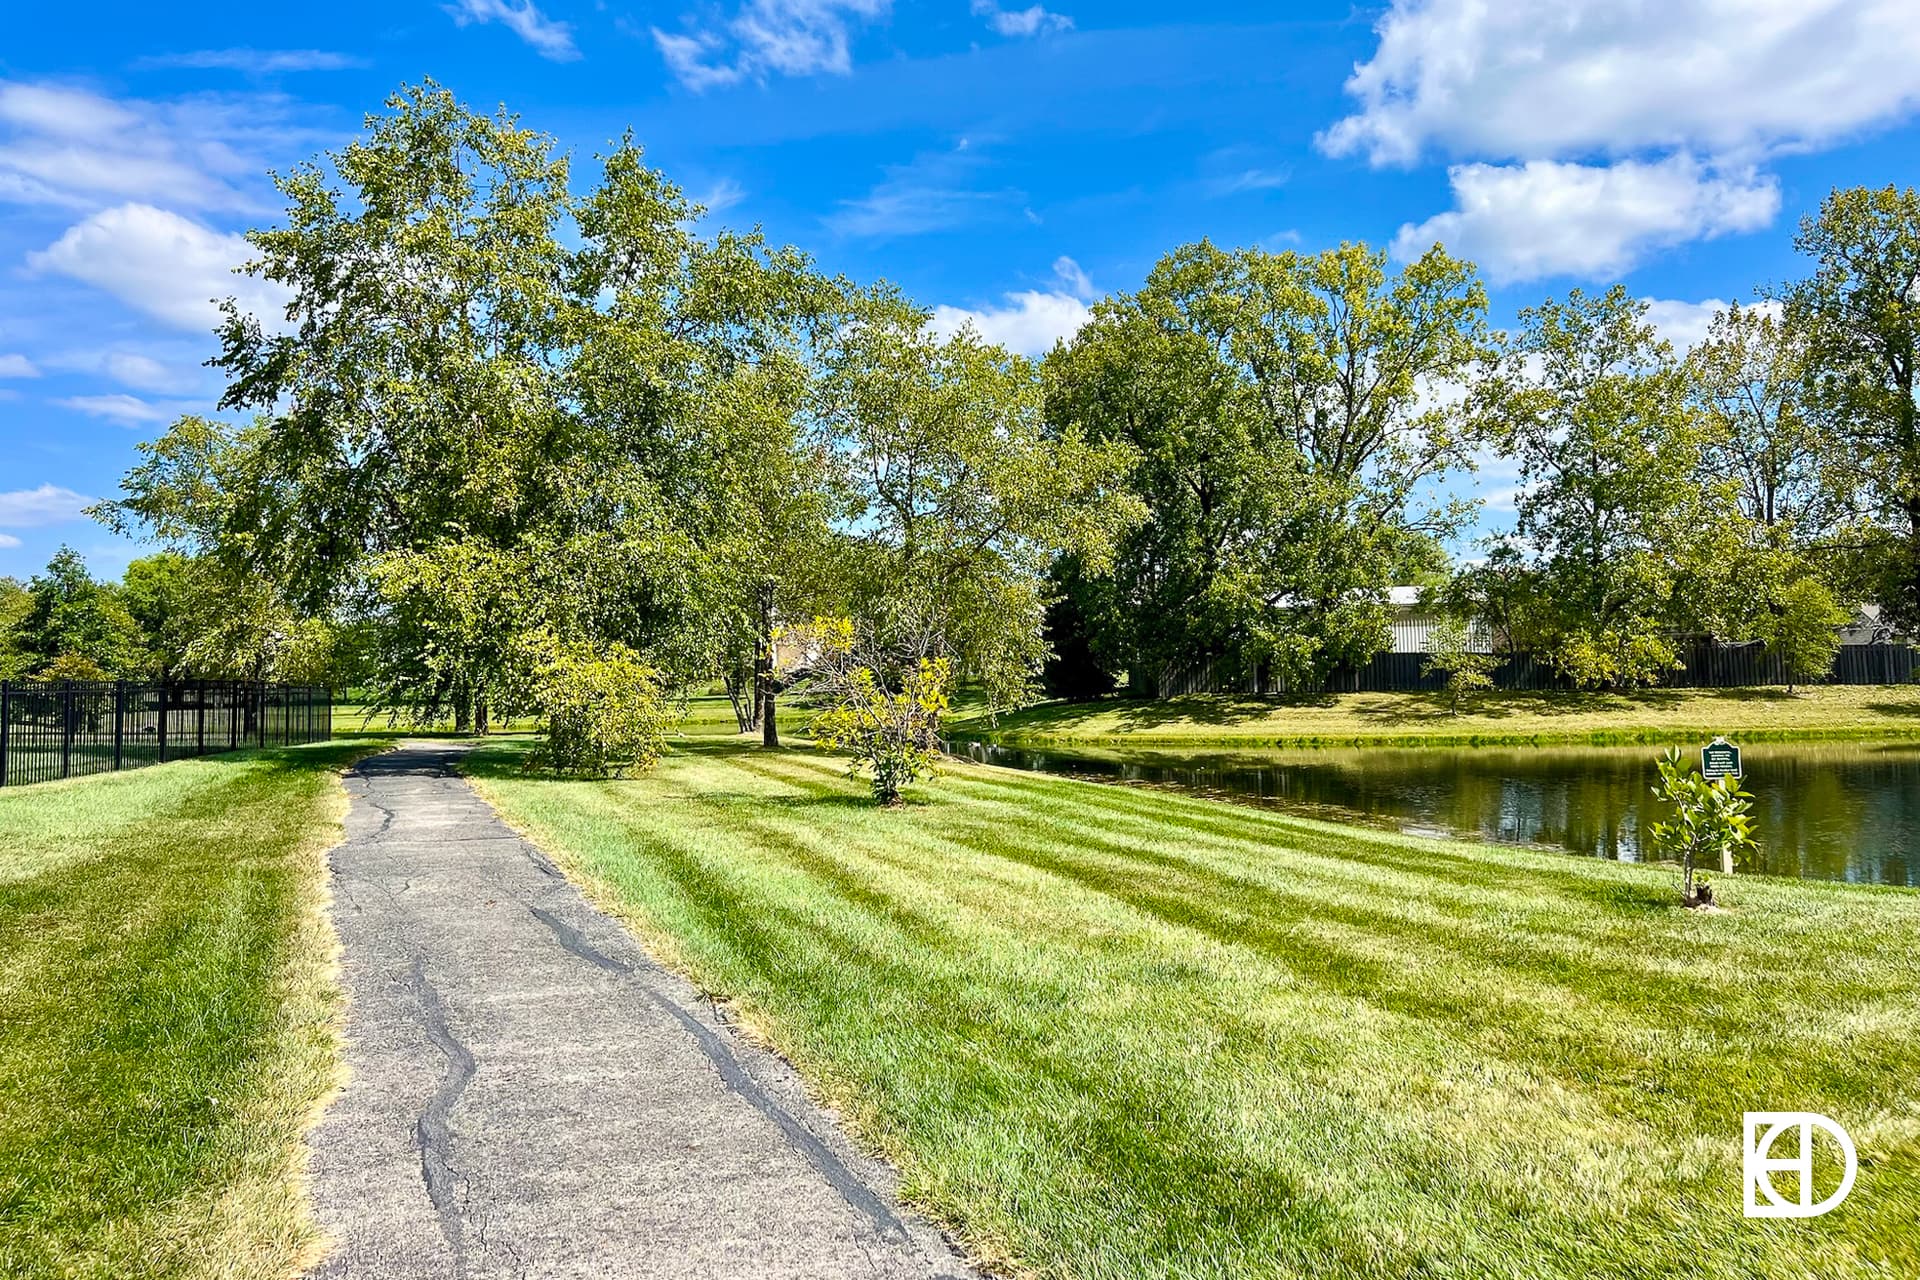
1703,665
73,728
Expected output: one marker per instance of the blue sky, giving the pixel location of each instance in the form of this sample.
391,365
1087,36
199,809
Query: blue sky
998,161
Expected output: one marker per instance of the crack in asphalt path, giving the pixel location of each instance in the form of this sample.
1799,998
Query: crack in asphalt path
512,1112
851,1189
431,1131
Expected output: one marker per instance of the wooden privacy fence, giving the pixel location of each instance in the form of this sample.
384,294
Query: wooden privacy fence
73,728
1703,665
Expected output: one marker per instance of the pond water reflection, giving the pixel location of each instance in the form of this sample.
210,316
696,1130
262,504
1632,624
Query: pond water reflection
1828,811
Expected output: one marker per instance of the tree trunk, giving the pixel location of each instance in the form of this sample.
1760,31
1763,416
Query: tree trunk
764,688
462,710
743,691
480,715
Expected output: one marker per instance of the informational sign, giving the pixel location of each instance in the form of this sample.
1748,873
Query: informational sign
1720,759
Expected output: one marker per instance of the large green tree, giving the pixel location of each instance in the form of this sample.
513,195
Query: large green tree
702,369
1287,413
1613,513
962,494
407,398
1859,314
1752,378
489,410
75,625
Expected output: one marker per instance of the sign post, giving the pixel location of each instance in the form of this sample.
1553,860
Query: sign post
1720,759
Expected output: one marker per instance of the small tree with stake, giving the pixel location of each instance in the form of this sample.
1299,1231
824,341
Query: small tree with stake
1712,821
1468,671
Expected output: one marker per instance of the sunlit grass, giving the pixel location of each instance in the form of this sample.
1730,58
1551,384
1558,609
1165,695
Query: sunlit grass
169,1014
1414,719
1115,1033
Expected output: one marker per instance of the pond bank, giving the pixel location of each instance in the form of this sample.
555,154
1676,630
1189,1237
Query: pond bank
1823,811
1819,713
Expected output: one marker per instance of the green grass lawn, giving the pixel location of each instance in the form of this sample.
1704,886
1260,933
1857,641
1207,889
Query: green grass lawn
1116,1033
362,721
168,1014
1416,719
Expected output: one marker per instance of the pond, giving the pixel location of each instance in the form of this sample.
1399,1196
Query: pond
1827,811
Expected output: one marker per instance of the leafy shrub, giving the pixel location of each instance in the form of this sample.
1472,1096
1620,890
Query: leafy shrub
881,702
1614,658
72,666
1712,822
602,711
1802,628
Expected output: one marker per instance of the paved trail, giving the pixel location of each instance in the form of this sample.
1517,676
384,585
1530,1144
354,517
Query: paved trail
531,1096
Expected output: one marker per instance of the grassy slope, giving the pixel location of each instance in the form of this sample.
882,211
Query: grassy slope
1658,715
1112,1033
169,1011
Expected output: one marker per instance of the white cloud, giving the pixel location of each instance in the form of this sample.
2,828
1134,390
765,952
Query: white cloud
1032,21
58,112
1073,279
1032,320
126,410
143,373
1685,324
721,196
1543,218
550,39
932,192
1643,125
34,508
768,37
1535,79
8,541
71,148
17,367
163,264
256,61
1234,184
175,374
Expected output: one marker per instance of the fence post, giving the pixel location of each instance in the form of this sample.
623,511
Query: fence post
233,714
160,737
66,728
200,719
6,725
119,723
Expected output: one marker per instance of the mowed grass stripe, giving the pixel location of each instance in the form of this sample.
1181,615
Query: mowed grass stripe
1109,1032
1432,885
169,1014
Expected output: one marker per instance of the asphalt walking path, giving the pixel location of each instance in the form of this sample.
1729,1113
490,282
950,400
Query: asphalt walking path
531,1096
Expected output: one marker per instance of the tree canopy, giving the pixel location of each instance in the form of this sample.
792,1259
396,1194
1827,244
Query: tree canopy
1286,414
